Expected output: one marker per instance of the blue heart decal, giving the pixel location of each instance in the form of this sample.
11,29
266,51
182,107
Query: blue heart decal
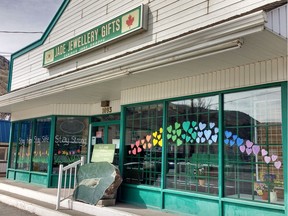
211,125
207,134
202,126
202,139
239,141
198,140
216,130
232,142
186,125
210,142
200,134
226,141
228,134
214,138
234,137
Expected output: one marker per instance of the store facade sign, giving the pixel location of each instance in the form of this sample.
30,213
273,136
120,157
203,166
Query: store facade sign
133,21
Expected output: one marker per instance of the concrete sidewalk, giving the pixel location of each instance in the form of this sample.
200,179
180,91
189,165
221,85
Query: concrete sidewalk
41,201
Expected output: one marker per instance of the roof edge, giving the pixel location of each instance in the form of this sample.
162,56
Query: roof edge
37,43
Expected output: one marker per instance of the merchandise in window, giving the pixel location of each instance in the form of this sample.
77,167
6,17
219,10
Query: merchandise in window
13,145
143,145
192,145
253,137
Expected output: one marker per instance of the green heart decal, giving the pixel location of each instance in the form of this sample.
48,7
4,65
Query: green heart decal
173,131
194,134
194,123
169,129
183,136
188,138
179,142
190,130
174,137
178,132
169,136
186,125
177,125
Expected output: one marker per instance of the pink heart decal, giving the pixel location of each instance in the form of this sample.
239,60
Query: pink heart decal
129,151
274,157
277,164
242,148
249,144
267,159
256,149
139,150
134,151
248,151
148,138
264,152
132,145
137,143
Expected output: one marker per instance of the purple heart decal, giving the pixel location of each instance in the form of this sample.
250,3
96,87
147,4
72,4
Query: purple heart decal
249,144
248,151
274,157
264,152
242,148
256,149
267,159
277,164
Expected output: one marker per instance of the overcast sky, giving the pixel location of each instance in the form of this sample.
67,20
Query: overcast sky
24,15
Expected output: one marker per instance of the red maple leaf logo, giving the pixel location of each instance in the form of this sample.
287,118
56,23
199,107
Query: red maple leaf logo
130,21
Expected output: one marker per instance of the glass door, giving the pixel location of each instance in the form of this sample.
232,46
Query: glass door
106,133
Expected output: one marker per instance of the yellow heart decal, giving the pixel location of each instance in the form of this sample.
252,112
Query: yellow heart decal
155,141
155,134
160,143
161,130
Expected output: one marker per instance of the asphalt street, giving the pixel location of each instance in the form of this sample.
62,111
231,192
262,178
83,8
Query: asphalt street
6,210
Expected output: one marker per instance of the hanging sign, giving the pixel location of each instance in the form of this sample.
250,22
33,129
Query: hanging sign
132,21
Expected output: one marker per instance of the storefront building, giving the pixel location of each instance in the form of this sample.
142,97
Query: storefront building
193,94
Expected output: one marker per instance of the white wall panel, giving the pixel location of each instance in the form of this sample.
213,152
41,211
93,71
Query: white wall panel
167,19
257,73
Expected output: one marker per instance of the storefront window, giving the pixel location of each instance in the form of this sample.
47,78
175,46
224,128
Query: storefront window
70,142
143,145
253,145
41,145
24,145
192,145
13,150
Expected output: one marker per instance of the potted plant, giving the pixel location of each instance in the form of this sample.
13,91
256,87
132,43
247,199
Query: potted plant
266,187
201,175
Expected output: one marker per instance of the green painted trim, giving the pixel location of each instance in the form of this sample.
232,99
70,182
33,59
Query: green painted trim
10,147
122,139
142,187
51,150
254,204
220,153
190,194
164,153
37,43
284,99
32,144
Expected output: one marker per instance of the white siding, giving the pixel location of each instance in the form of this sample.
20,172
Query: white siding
166,19
64,109
264,72
277,21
